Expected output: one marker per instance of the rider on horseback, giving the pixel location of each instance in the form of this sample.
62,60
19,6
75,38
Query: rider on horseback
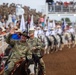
53,34
19,47
72,32
36,48
59,32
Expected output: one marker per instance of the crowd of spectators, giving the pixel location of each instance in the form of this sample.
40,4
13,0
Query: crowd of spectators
9,19
62,6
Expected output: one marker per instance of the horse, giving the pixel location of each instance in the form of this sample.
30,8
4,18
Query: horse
55,43
67,38
27,67
73,37
48,41
59,42
43,39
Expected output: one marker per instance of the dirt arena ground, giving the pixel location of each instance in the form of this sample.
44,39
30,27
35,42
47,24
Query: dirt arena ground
61,62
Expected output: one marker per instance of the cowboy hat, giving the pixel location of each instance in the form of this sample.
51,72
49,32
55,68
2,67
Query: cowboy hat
70,26
15,27
3,29
58,26
31,29
18,31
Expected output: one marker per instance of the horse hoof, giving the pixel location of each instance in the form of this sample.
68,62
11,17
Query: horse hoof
73,46
69,47
60,49
52,52
47,52
56,51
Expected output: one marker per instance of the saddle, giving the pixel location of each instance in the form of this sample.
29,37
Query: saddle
17,64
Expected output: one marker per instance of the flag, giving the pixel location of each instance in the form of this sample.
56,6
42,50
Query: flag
53,24
45,20
48,24
73,24
64,25
22,24
31,22
28,19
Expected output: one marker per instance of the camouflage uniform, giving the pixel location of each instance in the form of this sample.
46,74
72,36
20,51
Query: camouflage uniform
38,51
17,52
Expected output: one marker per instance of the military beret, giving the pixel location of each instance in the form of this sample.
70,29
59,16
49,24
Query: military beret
25,34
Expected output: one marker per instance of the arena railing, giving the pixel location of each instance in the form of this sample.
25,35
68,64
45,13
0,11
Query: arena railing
61,8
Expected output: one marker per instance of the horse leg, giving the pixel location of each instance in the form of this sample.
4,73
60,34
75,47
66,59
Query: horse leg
48,50
52,46
46,47
60,46
56,48
45,51
73,43
69,43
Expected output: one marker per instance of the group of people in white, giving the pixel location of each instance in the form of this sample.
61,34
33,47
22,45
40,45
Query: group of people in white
67,36
52,31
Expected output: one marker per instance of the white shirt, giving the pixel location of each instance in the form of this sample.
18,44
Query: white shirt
50,26
59,31
2,24
36,33
67,31
71,30
47,33
40,32
10,18
52,32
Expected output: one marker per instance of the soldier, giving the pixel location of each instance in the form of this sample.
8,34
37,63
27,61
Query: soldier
36,48
18,48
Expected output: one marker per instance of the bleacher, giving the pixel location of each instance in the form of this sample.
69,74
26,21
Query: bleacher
62,7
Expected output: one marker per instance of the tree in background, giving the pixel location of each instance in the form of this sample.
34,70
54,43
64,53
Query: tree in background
66,19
